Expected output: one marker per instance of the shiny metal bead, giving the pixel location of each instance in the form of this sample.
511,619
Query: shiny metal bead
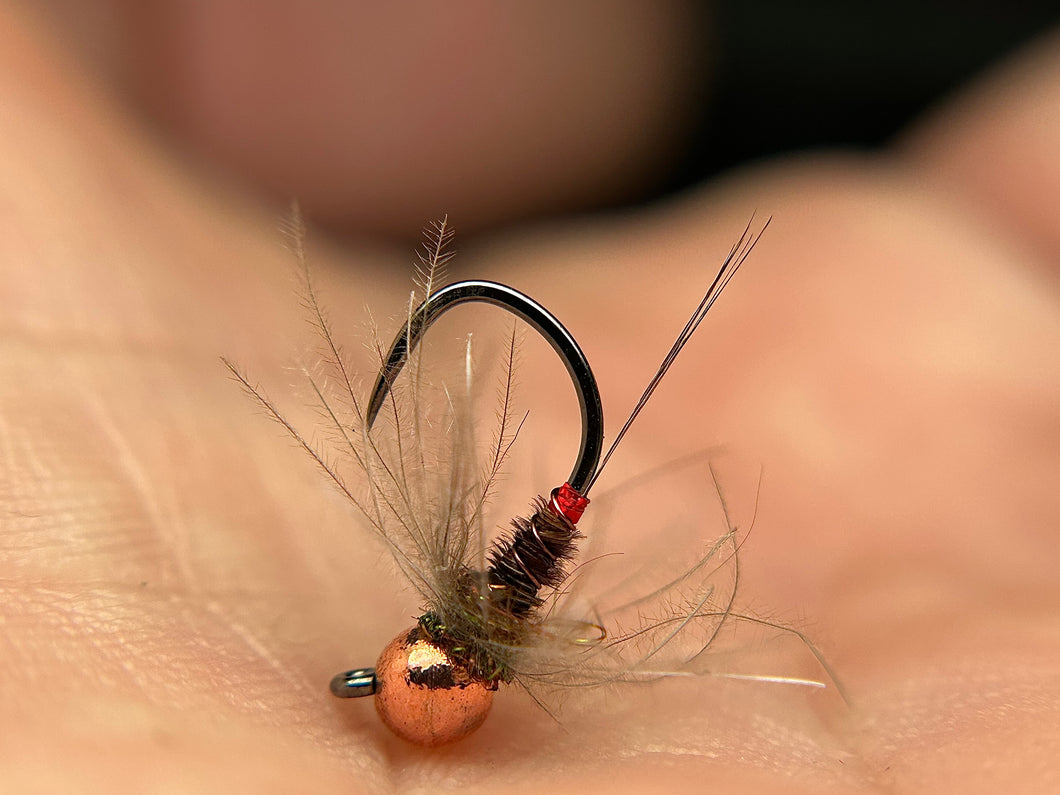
425,695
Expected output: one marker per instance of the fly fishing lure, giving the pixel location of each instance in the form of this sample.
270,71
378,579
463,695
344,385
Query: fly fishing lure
492,610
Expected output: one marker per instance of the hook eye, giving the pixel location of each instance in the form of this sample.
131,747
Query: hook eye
543,322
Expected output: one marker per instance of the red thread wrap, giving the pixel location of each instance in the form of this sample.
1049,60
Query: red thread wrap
567,502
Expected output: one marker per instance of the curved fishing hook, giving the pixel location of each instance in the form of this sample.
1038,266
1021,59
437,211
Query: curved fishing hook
544,323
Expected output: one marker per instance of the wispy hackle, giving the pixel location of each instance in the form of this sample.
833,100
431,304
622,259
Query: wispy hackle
434,255
422,483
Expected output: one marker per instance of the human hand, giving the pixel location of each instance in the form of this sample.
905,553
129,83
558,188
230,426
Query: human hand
175,602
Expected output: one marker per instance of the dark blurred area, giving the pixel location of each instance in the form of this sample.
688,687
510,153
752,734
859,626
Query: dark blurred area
829,73
377,116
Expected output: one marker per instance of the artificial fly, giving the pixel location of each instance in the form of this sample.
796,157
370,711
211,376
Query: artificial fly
489,614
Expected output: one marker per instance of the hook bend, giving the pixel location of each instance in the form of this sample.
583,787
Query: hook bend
542,321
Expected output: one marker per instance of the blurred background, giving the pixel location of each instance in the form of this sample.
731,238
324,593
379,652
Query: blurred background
377,117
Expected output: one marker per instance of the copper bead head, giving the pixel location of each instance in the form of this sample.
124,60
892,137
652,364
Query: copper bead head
425,695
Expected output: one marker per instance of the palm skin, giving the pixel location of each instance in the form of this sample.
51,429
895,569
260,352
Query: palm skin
180,586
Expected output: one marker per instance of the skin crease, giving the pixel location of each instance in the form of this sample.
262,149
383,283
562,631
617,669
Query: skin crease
179,585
